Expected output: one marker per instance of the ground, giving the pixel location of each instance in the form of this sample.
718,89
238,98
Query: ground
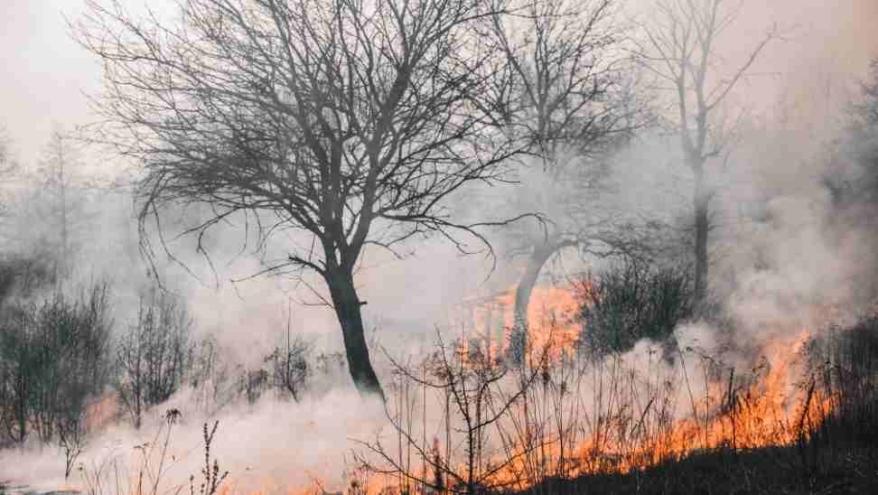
776,471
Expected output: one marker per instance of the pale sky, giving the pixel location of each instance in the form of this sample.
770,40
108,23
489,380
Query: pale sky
43,73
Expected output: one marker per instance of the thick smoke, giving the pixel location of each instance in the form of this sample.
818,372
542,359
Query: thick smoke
785,259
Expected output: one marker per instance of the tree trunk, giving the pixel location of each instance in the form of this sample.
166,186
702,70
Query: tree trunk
701,206
347,309
538,258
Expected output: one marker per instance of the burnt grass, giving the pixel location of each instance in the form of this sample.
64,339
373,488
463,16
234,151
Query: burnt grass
840,456
781,470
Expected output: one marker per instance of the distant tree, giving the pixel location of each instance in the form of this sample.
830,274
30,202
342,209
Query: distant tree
84,369
154,356
851,179
572,105
290,367
8,164
350,122
289,364
17,369
209,374
23,275
5,158
57,175
681,50
71,437
861,146
252,383
53,363
48,217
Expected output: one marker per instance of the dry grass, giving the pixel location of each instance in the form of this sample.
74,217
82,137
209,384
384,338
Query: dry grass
580,425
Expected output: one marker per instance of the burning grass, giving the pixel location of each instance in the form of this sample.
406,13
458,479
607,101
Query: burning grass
565,414
657,418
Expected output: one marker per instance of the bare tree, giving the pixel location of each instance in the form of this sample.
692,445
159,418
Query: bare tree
681,50
60,158
154,356
5,153
53,362
289,363
465,382
350,122
71,437
7,160
16,371
860,146
572,106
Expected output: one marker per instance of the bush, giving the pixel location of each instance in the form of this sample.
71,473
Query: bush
154,357
21,276
632,301
848,363
285,371
289,366
53,361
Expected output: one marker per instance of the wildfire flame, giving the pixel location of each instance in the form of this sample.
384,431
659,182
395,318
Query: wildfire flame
492,320
775,404
625,421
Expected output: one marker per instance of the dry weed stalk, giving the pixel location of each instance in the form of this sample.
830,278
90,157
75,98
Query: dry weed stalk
514,426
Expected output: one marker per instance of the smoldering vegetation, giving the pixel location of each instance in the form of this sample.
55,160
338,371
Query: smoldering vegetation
442,247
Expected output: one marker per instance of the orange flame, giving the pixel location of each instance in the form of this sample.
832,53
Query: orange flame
770,408
769,405
492,320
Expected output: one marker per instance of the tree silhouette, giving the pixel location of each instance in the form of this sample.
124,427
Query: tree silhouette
351,122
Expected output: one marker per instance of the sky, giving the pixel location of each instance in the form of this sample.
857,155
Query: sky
45,76
43,73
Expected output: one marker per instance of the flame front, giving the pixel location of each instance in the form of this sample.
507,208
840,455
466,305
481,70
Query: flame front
581,415
642,408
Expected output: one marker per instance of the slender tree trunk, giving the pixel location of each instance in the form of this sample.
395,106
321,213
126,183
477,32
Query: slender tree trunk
21,409
701,206
347,308
65,262
523,291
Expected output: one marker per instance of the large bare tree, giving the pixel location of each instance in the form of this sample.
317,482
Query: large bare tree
682,49
572,106
349,121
